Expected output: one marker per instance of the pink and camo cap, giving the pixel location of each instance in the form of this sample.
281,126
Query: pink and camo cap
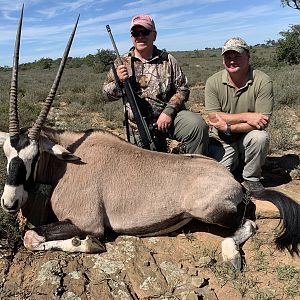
143,20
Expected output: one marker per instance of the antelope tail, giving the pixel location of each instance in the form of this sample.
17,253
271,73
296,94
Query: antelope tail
288,236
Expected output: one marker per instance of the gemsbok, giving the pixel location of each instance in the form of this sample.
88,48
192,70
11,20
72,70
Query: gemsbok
103,182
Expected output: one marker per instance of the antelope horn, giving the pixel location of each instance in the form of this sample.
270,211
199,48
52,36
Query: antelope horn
13,99
35,131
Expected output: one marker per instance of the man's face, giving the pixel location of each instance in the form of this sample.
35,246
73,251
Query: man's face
142,38
236,62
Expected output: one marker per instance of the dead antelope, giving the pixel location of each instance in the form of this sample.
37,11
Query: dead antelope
118,186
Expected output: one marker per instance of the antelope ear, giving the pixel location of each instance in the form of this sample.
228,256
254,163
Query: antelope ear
3,137
63,154
55,149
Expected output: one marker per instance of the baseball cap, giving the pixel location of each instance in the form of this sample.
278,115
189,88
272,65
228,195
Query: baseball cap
236,44
143,20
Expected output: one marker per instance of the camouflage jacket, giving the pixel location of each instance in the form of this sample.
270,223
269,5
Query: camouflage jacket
159,84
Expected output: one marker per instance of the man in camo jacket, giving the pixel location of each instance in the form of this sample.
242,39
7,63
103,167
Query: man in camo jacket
161,90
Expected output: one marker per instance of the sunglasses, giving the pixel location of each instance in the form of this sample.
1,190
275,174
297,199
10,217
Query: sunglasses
144,32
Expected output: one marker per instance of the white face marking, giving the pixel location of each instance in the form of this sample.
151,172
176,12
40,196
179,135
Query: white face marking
10,195
3,137
9,152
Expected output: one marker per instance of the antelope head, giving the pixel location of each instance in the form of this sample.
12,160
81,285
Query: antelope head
21,147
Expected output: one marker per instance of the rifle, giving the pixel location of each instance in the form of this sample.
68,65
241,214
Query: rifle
128,96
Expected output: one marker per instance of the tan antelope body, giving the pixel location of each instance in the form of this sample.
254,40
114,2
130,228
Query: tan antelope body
102,182
135,191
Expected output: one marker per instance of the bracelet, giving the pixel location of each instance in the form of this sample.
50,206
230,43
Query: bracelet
228,130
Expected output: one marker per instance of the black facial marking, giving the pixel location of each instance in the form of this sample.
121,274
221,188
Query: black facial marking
19,143
16,172
16,169
29,184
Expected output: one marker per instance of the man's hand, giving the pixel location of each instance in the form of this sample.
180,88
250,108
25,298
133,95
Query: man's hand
164,122
243,122
258,120
122,72
219,123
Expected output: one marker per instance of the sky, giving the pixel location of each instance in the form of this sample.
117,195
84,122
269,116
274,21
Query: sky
180,24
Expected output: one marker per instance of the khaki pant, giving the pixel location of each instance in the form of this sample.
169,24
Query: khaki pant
252,147
188,128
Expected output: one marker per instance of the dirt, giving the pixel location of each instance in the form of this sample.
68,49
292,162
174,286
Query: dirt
184,265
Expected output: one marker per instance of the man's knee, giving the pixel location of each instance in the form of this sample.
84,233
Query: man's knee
190,124
191,129
198,126
198,122
260,138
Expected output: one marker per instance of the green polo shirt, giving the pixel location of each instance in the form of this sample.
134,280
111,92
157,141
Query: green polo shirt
255,96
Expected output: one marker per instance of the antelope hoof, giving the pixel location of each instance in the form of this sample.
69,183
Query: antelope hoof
231,253
32,240
93,245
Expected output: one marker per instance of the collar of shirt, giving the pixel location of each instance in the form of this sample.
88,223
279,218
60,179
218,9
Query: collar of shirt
249,81
155,55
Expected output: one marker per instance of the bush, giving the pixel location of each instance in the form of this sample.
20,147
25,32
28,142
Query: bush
288,47
258,61
74,62
45,63
103,60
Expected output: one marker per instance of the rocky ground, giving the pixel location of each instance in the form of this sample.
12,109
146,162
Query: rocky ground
184,265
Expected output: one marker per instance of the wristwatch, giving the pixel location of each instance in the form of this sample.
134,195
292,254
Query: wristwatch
228,130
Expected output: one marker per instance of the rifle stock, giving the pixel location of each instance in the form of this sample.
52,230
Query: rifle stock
128,93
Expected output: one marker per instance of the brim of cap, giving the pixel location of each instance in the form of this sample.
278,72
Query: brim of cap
236,49
143,25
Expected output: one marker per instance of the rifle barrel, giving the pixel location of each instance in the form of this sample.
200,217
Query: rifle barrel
113,43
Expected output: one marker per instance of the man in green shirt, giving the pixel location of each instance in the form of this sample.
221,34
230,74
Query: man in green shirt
239,101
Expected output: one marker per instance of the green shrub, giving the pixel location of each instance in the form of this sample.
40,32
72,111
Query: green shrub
103,60
288,47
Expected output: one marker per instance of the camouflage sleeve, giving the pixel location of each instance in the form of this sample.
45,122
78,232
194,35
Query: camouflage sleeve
109,88
182,90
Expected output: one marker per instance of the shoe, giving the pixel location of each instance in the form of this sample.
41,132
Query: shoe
253,186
